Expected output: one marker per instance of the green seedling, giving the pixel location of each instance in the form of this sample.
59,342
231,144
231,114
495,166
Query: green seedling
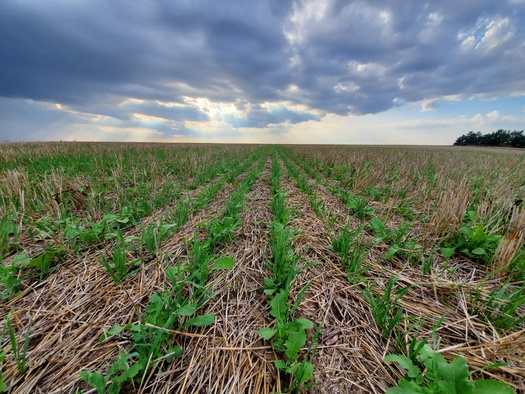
19,352
500,307
96,380
282,214
221,231
289,337
284,264
94,233
11,276
472,240
152,339
385,307
8,236
351,253
431,373
155,234
119,268
44,261
427,262
359,206
3,386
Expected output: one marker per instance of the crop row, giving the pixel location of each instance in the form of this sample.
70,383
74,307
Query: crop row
261,269
124,245
497,307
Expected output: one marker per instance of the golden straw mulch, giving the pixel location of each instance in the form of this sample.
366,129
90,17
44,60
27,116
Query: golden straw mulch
69,311
230,357
431,298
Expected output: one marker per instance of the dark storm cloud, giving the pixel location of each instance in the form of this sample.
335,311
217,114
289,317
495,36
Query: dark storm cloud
123,58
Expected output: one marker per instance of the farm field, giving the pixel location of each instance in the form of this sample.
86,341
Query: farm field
164,268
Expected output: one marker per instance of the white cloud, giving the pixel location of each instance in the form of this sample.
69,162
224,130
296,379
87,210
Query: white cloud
493,116
497,32
367,70
431,27
468,43
305,13
429,104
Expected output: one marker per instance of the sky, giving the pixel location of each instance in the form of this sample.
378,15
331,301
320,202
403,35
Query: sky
261,71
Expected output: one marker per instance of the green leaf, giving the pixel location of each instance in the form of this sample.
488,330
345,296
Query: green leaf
294,342
278,305
132,371
114,331
280,364
391,253
491,387
378,226
448,252
454,376
176,352
95,380
479,251
187,310
224,263
110,216
156,303
20,258
304,372
269,292
201,321
114,388
403,361
406,387
303,324
266,332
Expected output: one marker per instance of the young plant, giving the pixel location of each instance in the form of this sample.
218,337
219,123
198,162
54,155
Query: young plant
431,373
289,337
472,240
19,351
11,276
500,307
284,264
8,236
221,231
350,251
119,268
3,386
282,214
385,307
359,206
44,261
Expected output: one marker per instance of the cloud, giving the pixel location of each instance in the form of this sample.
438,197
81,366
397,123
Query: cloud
174,66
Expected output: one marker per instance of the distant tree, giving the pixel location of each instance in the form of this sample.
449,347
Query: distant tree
517,139
497,138
470,138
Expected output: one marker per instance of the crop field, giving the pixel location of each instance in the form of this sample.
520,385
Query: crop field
166,268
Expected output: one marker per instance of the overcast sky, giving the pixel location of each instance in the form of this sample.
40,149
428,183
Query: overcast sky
274,71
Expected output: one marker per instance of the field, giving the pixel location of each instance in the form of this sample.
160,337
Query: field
164,268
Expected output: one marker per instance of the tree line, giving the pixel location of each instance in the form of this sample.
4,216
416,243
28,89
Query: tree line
501,137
